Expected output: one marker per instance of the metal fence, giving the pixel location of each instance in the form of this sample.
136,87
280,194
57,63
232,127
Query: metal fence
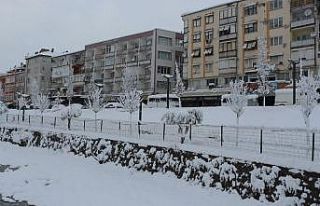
277,141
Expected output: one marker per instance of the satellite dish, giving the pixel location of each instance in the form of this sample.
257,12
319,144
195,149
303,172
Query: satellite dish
308,12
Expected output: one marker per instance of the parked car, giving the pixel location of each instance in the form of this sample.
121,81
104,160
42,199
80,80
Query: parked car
113,105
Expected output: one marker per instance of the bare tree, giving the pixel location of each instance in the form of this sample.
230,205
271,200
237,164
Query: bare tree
179,84
94,102
43,103
309,96
69,113
263,69
132,97
237,101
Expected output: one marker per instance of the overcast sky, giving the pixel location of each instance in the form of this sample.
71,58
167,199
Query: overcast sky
28,25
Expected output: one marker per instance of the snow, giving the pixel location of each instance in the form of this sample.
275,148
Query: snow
48,178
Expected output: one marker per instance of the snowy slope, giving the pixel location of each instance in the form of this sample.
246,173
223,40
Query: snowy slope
53,178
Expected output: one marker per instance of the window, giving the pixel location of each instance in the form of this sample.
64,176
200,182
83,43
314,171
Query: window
276,23
209,36
164,70
185,38
250,10
227,46
227,29
209,67
250,63
208,51
227,63
197,22
209,19
165,55
227,13
250,45
165,41
251,27
196,53
109,61
196,69
197,37
277,59
185,23
275,4
109,49
276,41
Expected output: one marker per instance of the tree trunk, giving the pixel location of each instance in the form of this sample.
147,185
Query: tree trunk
69,123
308,135
95,121
237,130
131,124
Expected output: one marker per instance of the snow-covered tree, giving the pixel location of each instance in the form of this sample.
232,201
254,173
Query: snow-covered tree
309,97
132,97
179,84
69,112
237,101
94,102
263,69
43,103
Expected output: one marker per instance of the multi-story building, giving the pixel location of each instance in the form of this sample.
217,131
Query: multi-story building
149,54
221,42
67,67
14,82
38,72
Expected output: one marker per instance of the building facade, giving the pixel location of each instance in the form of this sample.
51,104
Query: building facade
38,72
67,67
14,83
149,54
221,42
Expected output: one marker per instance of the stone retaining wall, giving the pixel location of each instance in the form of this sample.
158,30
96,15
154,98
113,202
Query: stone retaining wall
263,182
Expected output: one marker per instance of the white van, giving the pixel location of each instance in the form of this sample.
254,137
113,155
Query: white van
160,100
252,100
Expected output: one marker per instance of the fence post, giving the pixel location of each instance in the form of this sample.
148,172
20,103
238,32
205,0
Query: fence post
313,143
84,125
261,141
42,119
18,119
119,125
139,132
7,117
29,119
55,122
190,131
221,135
163,131
101,125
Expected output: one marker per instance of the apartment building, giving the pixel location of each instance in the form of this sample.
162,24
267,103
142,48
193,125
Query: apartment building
221,42
14,82
38,72
67,67
149,55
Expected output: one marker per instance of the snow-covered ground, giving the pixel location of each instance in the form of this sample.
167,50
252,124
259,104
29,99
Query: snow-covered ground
281,116
53,178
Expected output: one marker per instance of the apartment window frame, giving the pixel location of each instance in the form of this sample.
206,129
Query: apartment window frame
209,67
276,59
196,53
250,10
275,5
250,45
164,70
165,55
251,27
228,12
196,22
227,46
165,41
196,37
209,18
208,51
227,29
208,36
276,41
196,69
276,23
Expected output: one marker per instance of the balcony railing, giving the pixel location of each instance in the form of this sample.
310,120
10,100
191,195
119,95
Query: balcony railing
303,22
228,36
228,70
228,20
302,43
228,54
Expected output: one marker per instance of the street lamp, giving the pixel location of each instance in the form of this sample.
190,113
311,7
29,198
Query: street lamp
293,66
168,76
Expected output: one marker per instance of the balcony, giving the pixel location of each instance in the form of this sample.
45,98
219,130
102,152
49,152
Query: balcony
307,42
303,22
228,36
228,54
228,20
228,71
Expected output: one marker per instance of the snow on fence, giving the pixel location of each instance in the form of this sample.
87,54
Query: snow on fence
276,141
